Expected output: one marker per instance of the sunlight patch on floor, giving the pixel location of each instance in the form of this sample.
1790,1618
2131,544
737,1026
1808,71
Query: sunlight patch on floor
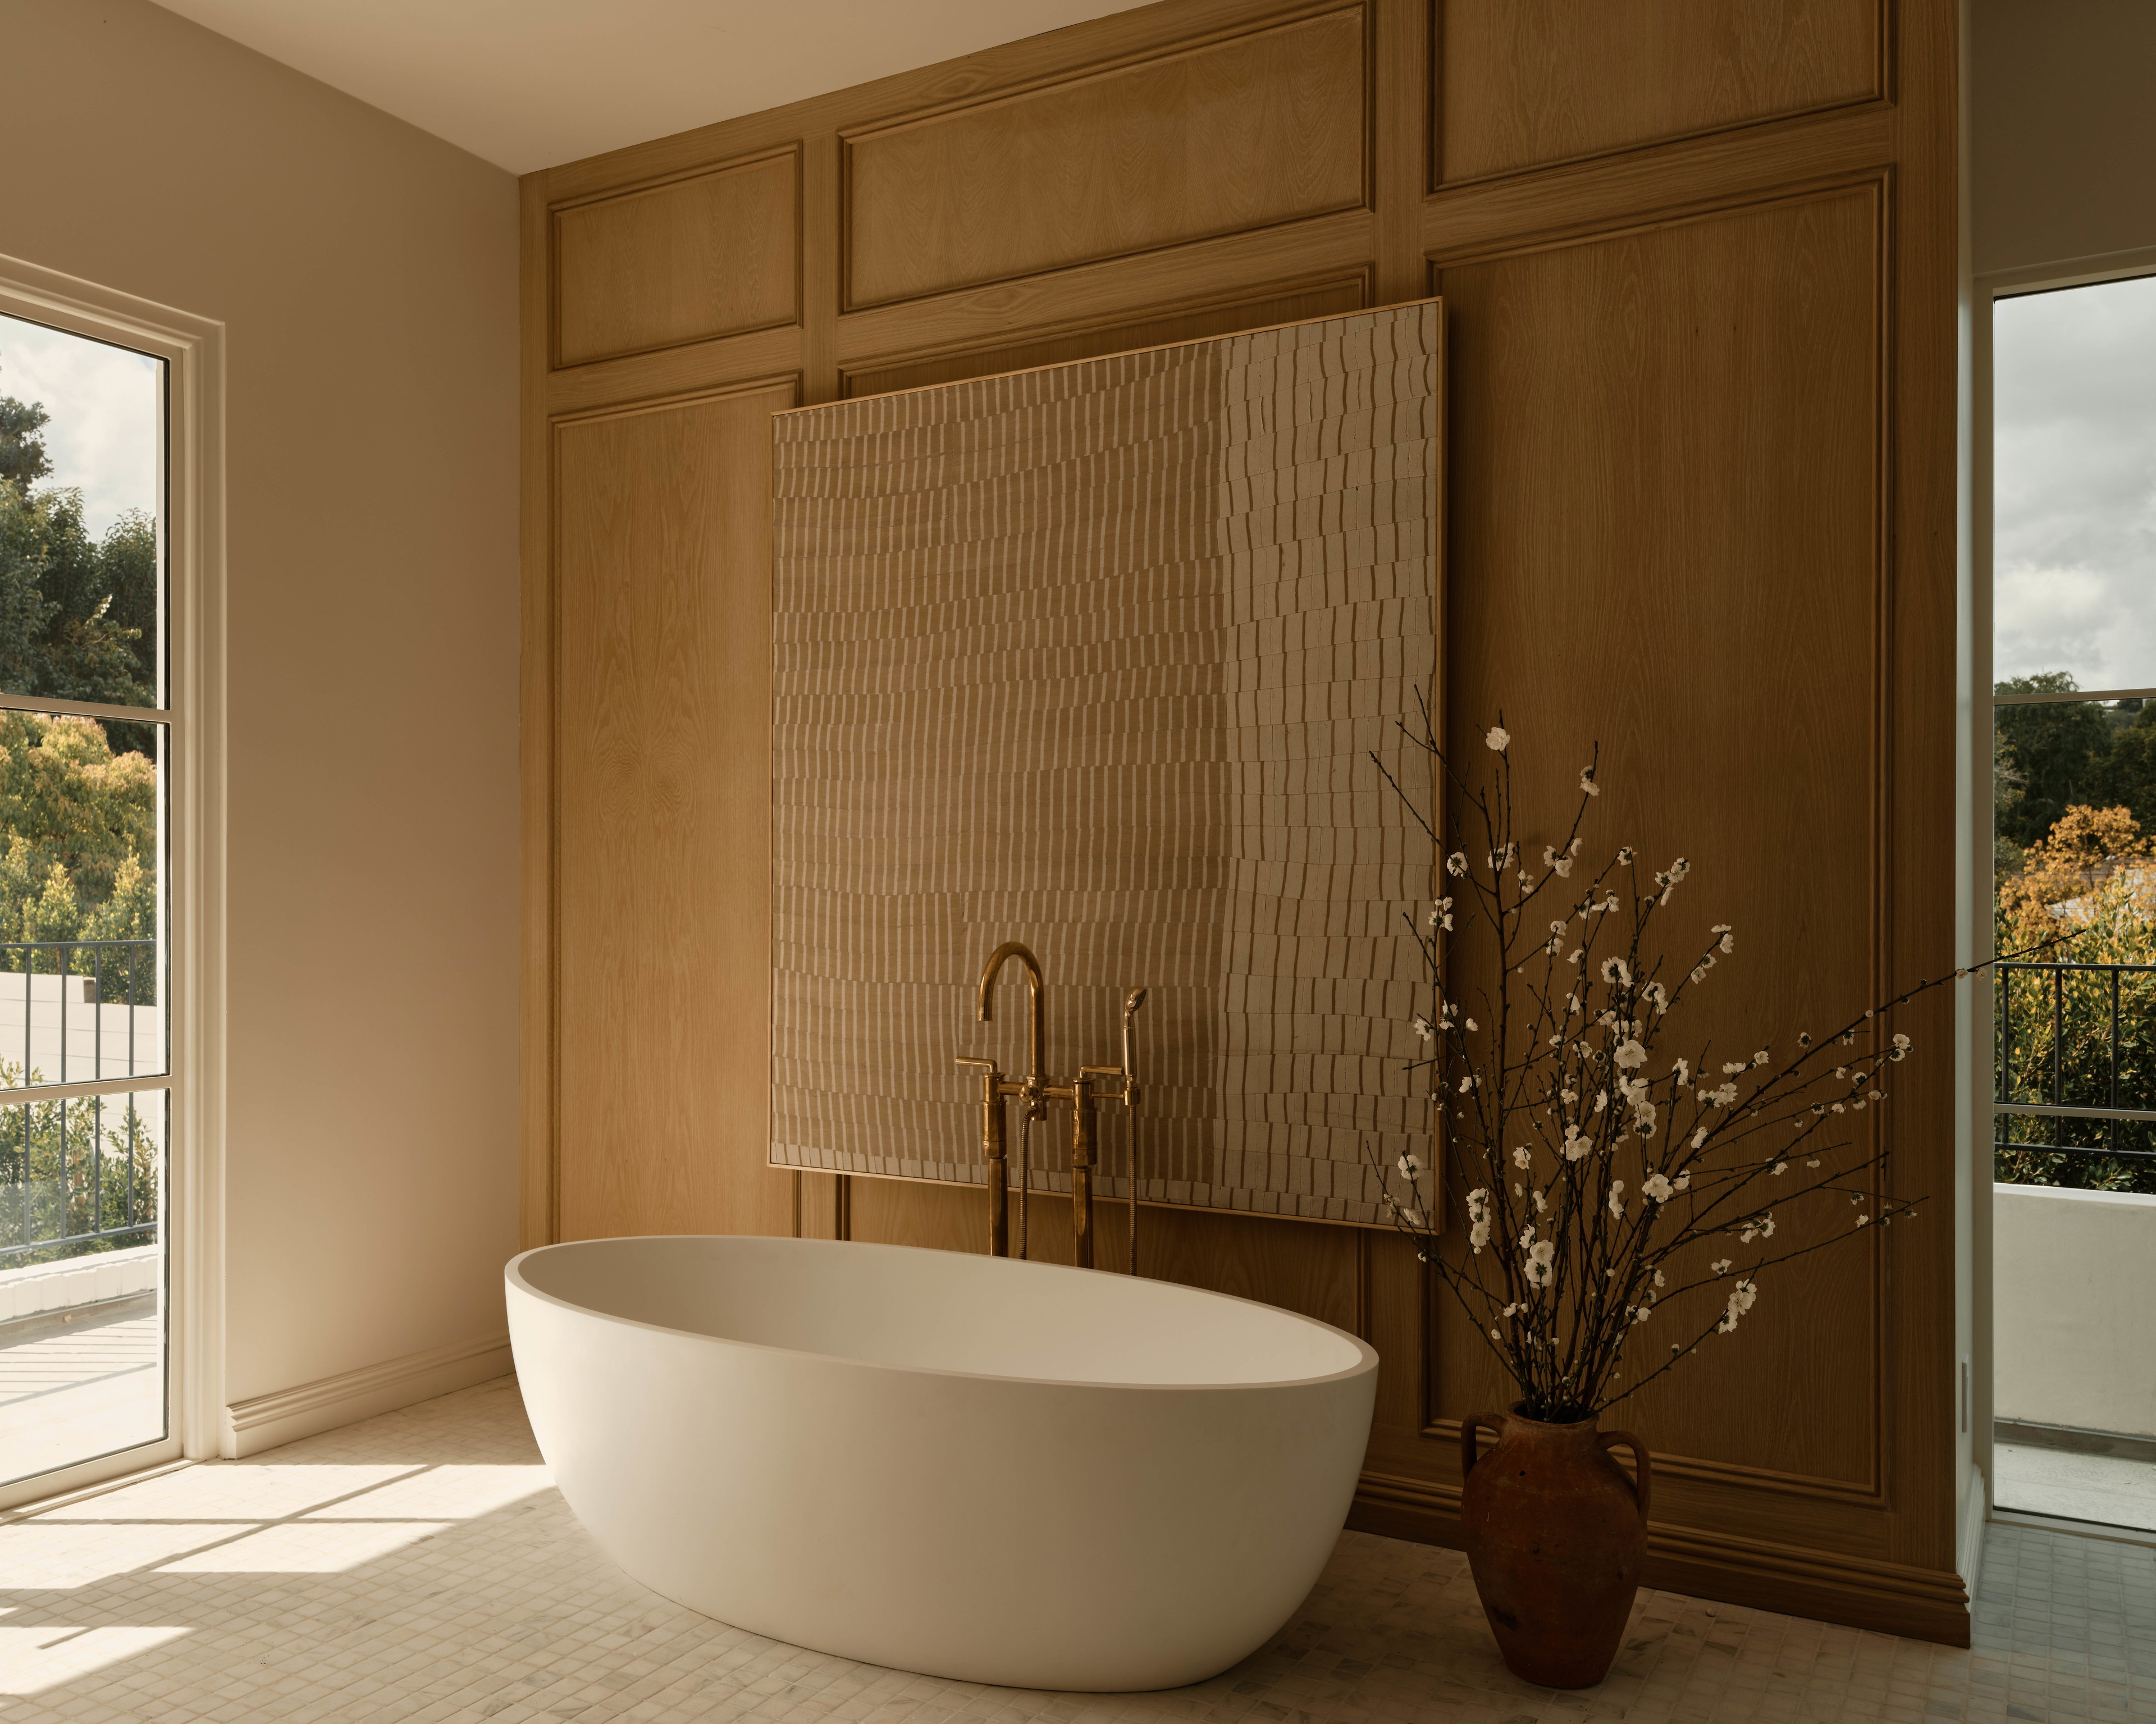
33,1660
306,1548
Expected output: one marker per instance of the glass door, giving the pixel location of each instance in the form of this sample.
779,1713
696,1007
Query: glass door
2074,835
85,1031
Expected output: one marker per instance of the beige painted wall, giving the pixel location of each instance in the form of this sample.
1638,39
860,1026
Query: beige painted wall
367,276
2062,129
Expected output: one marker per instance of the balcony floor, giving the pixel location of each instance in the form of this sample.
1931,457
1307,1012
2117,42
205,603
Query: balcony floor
2110,1490
71,1391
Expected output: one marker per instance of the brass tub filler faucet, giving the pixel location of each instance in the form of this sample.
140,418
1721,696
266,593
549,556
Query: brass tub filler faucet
1094,1085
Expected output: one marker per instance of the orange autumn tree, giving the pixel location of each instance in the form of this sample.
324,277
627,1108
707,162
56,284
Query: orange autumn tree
2093,877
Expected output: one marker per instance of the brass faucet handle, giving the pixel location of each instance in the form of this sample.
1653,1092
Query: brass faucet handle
1108,1071
992,1083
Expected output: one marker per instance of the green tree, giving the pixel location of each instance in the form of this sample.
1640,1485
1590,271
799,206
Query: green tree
2129,777
2056,752
23,456
62,596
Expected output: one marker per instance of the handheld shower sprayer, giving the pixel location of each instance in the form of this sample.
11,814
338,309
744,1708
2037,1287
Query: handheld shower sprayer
1132,1001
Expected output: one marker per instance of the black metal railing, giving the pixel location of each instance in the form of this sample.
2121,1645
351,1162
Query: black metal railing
2076,1041
78,1173
110,973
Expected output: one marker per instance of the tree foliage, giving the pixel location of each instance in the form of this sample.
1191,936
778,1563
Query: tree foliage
2093,874
2051,756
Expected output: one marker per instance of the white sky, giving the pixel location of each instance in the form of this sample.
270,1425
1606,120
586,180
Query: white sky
102,436
2074,485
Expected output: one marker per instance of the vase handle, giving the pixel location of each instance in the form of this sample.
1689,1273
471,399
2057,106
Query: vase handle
1495,1421
1645,1487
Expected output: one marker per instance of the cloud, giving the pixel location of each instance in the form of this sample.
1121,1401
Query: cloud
2074,485
104,402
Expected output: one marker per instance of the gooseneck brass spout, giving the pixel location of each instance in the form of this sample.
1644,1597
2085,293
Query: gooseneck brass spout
985,1004
1031,1090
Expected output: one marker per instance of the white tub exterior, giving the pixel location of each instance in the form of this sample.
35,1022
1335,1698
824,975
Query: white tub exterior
2073,1287
1004,1472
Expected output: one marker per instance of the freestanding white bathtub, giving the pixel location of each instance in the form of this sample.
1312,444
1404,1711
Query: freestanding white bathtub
1005,1472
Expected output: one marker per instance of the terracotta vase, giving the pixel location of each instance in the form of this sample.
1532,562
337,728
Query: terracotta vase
1556,1534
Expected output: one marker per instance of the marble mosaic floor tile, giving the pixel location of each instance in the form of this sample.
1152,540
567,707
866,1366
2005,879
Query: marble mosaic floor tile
420,1567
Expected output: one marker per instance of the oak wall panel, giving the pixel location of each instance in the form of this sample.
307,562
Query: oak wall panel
661,826
1244,133
1725,378
1325,299
1697,257
1524,84
710,255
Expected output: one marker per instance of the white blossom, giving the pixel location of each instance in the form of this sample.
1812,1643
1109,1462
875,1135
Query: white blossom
1741,1298
1466,1083
1497,738
1617,1198
1521,1159
1629,1054
1625,857
1575,1146
1682,1072
1781,1167
1729,941
1726,1097
1657,1186
1587,781
1410,1166
1470,1023
1420,1026
1455,864
1721,1264
1863,1220
1614,969
1759,1057
1733,1070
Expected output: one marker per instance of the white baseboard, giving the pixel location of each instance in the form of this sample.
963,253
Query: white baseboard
267,1421
1970,1557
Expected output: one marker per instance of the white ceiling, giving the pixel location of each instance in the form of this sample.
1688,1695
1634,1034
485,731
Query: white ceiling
527,83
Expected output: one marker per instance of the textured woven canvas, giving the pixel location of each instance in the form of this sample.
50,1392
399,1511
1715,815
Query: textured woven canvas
1092,657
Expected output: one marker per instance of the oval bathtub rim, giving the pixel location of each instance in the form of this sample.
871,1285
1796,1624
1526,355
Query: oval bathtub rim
1367,1362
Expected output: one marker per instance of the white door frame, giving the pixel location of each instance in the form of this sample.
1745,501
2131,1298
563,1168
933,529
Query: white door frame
194,524
1978,1052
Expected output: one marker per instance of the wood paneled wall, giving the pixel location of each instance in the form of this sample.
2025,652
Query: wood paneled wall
1698,258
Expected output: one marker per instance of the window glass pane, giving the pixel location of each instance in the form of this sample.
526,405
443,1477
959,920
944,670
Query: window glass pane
81,551
2074,487
2074,821
83,990
82,1279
